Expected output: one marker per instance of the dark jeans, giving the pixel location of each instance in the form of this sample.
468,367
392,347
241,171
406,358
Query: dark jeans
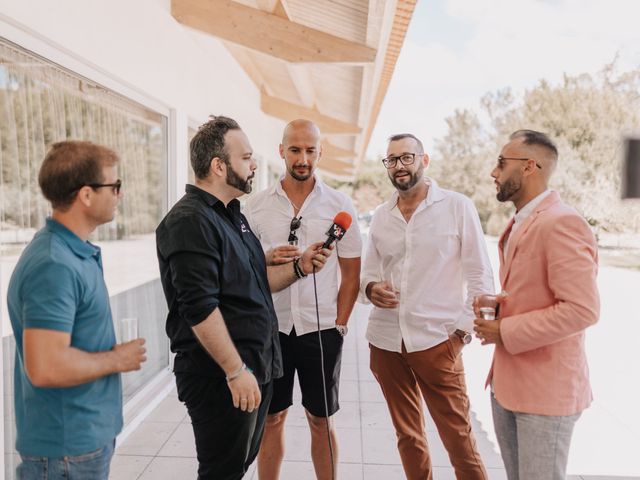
227,439
93,465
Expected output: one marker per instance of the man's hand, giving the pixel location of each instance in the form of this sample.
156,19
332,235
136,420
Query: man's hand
382,294
130,355
282,254
488,331
314,256
245,391
493,301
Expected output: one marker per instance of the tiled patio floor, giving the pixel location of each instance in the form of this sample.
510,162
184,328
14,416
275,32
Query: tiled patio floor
162,447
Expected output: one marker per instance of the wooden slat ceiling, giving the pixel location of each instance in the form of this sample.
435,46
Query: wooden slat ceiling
329,61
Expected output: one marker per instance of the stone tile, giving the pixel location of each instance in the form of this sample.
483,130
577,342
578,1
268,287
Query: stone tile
379,447
348,416
349,355
180,444
350,445
170,468
349,391
147,439
371,392
304,471
349,372
128,467
375,415
382,472
170,410
298,445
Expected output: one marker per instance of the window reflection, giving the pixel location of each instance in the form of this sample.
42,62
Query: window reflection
42,103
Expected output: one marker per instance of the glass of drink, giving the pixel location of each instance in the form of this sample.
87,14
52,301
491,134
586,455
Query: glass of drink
128,329
487,304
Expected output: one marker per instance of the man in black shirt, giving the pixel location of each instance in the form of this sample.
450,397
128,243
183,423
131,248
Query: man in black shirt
221,321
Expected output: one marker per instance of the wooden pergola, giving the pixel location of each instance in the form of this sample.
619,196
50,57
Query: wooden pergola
329,61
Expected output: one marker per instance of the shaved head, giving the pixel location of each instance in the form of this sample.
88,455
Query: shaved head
297,125
542,147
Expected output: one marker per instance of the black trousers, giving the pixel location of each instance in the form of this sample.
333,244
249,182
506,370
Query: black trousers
227,439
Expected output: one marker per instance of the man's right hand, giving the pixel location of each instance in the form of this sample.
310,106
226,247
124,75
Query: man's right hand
130,355
245,391
382,294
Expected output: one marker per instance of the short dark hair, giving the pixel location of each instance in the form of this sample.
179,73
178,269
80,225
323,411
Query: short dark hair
532,137
208,143
400,136
69,166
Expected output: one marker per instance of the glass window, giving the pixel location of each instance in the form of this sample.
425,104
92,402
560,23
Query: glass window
42,103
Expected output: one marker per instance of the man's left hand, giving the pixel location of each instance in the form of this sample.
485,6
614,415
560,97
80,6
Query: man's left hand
488,331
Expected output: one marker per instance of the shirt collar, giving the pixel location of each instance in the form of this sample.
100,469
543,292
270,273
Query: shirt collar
530,207
210,200
277,189
435,194
78,246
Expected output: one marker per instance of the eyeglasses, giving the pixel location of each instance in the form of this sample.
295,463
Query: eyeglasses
405,159
115,186
501,160
295,225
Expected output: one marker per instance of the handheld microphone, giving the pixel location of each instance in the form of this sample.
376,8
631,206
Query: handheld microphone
341,223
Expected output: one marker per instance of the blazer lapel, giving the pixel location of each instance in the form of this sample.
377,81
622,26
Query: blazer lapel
503,237
552,198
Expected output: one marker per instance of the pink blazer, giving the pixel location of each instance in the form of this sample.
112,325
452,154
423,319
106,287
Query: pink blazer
550,275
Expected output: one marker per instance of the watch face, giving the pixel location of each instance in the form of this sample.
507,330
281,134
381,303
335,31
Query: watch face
466,339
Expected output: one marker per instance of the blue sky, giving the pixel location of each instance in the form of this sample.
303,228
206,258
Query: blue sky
458,50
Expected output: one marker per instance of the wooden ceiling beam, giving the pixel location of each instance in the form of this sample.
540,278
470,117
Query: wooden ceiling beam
287,111
268,32
331,150
338,167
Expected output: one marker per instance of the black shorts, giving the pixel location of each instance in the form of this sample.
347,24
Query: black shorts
302,354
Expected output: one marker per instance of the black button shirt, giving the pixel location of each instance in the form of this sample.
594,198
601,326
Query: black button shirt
209,258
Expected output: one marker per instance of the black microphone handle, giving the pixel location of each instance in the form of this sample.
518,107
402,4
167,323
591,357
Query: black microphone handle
330,239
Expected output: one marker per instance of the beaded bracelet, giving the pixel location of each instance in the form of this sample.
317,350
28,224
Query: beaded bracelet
297,269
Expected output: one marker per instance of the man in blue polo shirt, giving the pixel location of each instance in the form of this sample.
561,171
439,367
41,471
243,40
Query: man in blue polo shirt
68,394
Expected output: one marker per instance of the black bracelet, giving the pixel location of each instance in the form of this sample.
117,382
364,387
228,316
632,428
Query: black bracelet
297,269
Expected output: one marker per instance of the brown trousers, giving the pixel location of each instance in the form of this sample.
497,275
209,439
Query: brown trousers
438,373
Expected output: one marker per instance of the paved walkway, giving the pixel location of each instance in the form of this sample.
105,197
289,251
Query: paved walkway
162,447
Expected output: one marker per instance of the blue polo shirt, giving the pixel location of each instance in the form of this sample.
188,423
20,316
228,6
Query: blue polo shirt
58,284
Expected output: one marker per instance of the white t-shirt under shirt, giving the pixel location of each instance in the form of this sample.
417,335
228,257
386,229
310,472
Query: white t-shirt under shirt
269,213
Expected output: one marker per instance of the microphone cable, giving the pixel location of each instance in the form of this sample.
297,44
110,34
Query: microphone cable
324,383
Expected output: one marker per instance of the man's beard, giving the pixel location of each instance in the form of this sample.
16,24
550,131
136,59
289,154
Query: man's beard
297,176
236,181
415,177
510,187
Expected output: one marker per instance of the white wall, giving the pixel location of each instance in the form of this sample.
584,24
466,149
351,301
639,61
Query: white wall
138,43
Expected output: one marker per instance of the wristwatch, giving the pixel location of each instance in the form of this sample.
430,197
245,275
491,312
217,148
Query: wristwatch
465,337
342,330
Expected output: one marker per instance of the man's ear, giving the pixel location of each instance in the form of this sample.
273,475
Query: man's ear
281,150
218,167
426,160
84,195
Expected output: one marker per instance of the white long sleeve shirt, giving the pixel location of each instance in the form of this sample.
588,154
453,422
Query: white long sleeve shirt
269,213
438,261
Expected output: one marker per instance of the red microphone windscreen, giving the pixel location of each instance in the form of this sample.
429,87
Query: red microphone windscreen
343,220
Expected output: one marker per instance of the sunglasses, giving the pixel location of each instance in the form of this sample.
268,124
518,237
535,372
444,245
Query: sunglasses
293,226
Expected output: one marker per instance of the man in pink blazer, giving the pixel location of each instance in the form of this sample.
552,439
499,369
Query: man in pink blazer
548,265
